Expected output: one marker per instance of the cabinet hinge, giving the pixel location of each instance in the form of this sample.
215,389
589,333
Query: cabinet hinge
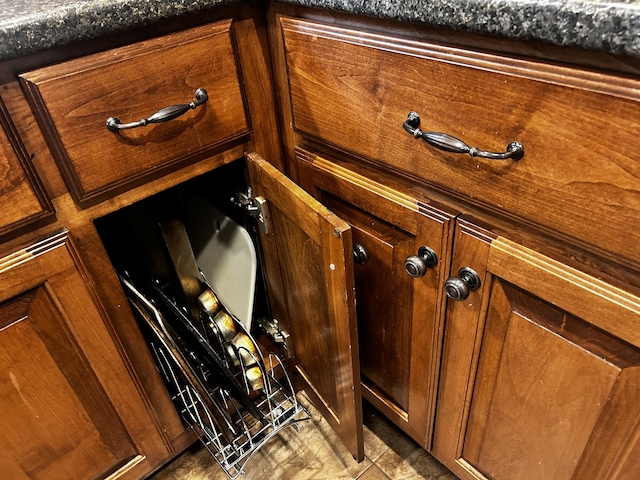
273,331
256,207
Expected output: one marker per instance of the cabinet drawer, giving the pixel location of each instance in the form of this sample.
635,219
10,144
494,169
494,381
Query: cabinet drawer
579,177
73,101
23,200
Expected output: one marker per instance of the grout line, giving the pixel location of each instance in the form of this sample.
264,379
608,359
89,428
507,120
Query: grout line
373,465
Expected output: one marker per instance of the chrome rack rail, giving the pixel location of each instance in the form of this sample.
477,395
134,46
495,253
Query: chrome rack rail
230,432
280,407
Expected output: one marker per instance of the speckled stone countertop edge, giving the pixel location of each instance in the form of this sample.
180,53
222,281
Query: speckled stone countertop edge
63,22
29,26
609,27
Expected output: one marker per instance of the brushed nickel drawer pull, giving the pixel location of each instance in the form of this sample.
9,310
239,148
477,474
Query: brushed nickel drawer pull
163,115
448,143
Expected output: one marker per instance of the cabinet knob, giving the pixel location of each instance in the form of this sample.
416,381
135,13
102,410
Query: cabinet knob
360,254
458,288
416,265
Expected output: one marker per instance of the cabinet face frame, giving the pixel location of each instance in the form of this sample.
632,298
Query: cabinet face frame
528,299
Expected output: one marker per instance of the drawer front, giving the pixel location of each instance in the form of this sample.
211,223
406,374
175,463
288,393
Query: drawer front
579,177
23,201
73,101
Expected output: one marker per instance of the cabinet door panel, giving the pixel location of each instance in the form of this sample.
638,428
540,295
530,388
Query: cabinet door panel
533,387
541,396
399,316
309,269
57,422
384,293
55,418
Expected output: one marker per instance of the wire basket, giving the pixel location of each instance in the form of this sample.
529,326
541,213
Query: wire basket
206,405
276,401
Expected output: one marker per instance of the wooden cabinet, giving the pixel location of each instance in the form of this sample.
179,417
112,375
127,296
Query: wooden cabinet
308,267
588,166
61,373
398,315
308,270
534,363
539,368
80,395
532,372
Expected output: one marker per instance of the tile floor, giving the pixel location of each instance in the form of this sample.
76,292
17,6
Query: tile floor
316,453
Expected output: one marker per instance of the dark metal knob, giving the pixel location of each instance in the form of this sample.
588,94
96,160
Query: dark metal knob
458,288
417,265
360,254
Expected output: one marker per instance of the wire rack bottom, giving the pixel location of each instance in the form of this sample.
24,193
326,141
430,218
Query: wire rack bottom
276,401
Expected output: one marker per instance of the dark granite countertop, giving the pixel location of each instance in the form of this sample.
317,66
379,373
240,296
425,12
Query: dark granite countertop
611,26
27,26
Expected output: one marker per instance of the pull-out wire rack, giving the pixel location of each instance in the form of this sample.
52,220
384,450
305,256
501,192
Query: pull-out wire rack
279,406
193,387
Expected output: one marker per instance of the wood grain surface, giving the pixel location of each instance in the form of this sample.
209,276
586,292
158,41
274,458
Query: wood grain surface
579,177
399,317
539,370
23,201
311,248
74,99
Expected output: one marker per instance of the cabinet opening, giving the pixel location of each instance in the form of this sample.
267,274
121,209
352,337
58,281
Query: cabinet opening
207,206
189,262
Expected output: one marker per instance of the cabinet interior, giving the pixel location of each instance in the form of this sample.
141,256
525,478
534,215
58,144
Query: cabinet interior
134,243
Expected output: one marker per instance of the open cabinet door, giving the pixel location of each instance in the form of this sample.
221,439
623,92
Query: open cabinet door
309,269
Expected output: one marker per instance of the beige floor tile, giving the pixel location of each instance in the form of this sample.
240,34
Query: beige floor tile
316,453
374,447
373,473
407,460
163,474
194,464
313,453
379,433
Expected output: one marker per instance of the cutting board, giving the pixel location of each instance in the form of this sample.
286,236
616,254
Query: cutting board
225,254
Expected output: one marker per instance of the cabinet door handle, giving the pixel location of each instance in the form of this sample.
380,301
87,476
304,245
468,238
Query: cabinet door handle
360,254
458,288
163,115
449,143
416,265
